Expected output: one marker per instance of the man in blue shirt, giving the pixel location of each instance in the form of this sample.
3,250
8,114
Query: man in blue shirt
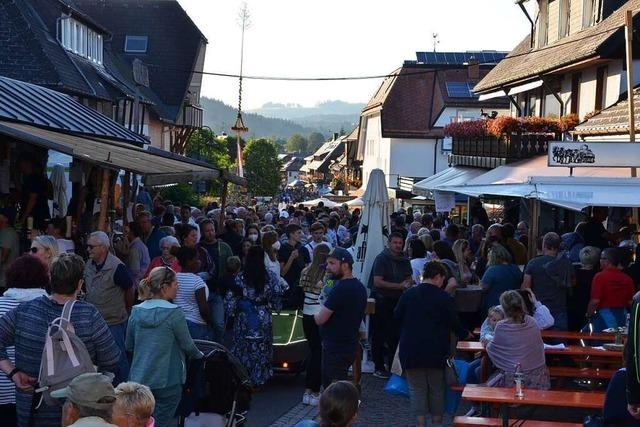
340,317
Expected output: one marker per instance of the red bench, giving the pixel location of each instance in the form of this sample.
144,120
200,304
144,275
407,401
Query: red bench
483,421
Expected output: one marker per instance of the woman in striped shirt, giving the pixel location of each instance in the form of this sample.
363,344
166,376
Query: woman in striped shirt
311,280
25,328
26,278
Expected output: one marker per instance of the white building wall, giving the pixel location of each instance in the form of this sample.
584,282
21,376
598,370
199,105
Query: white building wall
416,158
587,98
376,149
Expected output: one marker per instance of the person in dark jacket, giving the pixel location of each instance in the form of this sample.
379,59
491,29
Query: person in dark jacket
427,317
392,274
632,360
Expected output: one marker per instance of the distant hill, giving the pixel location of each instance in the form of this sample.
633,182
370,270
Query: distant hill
326,117
220,117
280,121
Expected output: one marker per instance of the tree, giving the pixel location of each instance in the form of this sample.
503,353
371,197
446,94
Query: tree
262,167
316,139
297,144
205,145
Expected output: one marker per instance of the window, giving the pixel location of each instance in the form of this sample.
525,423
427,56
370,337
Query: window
601,88
575,92
80,39
564,18
136,44
460,90
590,12
543,23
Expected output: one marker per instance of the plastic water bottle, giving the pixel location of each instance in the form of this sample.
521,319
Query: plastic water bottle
518,379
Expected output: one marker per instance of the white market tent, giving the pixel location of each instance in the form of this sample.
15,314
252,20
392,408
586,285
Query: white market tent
455,175
327,203
533,178
357,202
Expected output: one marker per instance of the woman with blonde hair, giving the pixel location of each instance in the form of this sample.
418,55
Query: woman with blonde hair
134,406
311,281
501,275
427,241
159,339
44,248
517,340
463,257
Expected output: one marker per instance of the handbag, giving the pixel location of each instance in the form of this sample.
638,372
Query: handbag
451,374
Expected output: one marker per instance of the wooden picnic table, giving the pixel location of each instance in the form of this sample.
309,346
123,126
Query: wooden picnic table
569,350
572,335
506,396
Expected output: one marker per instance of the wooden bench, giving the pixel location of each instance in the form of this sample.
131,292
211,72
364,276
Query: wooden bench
586,373
572,335
484,421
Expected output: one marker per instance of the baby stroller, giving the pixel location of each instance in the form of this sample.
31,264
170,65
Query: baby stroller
217,391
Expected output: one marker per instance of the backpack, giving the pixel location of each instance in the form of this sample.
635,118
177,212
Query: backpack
64,356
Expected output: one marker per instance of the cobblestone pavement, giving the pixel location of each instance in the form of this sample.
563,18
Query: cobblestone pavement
377,409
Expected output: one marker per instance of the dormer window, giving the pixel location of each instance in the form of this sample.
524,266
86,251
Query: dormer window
136,44
78,38
590,12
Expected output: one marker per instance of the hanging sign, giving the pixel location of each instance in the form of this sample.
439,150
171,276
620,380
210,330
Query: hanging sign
445,201
594,154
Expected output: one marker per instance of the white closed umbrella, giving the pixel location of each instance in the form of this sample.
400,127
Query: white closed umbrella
59,183
373,229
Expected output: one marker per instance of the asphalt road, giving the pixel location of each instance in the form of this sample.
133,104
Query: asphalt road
279,395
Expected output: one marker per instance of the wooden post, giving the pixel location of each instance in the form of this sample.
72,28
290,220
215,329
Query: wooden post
223,204
534,215
104,200
630,97
126,197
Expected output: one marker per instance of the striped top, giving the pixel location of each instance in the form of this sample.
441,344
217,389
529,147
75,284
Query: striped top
188,284
10,300
26,326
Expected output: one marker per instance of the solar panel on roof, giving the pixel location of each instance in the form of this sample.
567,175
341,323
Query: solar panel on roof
460,90
459,58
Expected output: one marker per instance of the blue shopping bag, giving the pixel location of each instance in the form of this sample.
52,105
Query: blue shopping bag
397,386
452,398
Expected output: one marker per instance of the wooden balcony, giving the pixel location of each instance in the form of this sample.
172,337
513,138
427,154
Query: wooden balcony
191,116
490,152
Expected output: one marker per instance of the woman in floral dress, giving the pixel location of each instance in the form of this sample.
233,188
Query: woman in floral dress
258,291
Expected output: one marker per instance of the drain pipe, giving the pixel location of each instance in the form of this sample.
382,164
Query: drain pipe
524,10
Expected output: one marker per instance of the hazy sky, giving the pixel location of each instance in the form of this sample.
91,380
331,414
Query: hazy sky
304,38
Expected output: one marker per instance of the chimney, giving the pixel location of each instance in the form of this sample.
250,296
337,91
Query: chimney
336,135
473,69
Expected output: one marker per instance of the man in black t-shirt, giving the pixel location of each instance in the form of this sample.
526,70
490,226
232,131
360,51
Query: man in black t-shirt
33,201
340,317
293,258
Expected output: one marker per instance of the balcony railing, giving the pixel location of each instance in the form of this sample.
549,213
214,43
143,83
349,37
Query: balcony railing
489,151
191,116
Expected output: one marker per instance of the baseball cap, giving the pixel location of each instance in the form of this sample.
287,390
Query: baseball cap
284,214
341,255
92,390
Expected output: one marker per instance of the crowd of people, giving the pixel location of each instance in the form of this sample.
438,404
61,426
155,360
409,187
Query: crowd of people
176,274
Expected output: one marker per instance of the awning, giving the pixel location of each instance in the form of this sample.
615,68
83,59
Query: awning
533,178
491,95
157,168
525,87
454,175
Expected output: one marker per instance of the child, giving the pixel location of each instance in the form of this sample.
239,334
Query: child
494,315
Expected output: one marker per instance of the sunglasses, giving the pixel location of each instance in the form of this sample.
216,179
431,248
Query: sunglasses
33,249
167,274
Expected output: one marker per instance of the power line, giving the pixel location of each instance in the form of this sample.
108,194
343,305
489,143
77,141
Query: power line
377,76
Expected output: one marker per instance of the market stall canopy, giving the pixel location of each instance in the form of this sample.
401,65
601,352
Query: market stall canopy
533,178
355,202
327,203
296,183
454,175
55,121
